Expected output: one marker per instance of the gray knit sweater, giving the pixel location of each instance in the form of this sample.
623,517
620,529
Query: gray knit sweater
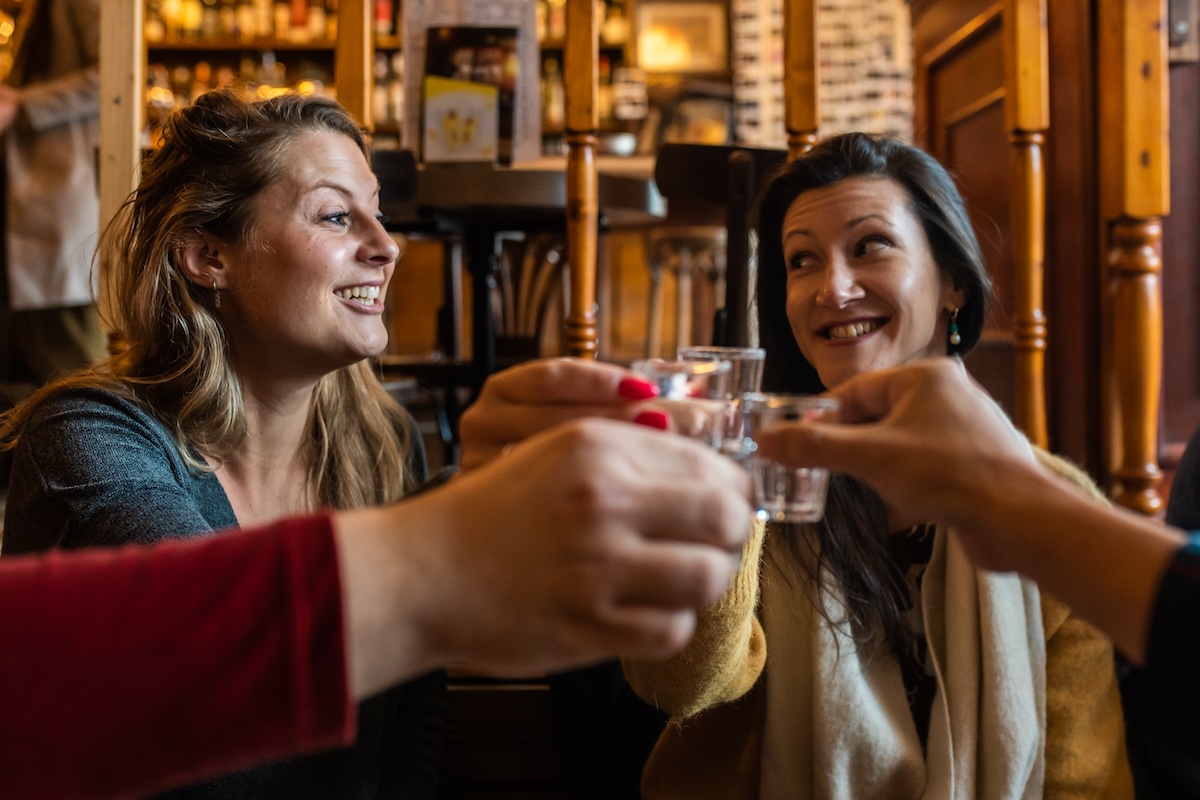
92,468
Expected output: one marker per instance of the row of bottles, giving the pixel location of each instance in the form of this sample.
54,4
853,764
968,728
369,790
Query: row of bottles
388,90
283,20
620,93
552,21
260,74
280,20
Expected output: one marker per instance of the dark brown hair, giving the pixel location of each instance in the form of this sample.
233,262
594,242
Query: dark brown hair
848,548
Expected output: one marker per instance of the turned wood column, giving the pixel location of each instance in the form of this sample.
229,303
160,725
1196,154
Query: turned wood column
1027,116
581,57
354,59
1135,194
801,83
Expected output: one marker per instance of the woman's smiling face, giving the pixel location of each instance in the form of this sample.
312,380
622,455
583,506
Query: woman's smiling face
863,290
308,292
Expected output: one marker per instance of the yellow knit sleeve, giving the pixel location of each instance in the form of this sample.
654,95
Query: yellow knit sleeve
726,654
1085,728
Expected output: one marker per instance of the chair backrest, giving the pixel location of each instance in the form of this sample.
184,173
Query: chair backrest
731,177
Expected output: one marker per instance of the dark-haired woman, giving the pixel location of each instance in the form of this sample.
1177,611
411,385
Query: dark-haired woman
864,656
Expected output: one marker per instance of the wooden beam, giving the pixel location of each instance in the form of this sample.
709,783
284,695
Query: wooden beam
122,97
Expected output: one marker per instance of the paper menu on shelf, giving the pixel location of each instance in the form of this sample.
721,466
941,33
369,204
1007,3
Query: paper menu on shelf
420,15
460,121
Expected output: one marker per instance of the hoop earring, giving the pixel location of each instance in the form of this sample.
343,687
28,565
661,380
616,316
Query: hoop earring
216,291
955,338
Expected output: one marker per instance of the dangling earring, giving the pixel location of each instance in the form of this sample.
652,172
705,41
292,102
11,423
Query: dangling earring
955,339
216,291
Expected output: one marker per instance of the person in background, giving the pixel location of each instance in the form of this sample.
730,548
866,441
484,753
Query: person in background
144,667
49,118
1134,578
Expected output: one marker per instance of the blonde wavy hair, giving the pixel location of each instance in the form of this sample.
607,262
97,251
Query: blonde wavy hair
171,354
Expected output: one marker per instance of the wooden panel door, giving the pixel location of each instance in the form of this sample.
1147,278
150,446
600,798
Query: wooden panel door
960,119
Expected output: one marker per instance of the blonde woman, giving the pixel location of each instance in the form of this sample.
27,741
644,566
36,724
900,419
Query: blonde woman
248,272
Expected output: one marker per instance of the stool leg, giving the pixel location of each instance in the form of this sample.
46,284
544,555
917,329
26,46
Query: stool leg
654,316
683,293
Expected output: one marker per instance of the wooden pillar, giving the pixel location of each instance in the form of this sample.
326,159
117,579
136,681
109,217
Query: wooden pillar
581,54
122,95
1135,195
801,84
354,59
1027,116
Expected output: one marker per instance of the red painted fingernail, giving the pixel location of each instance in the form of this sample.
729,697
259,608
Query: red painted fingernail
636,389
653,419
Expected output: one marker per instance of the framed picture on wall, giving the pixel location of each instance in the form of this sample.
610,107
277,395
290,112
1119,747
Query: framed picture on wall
683,36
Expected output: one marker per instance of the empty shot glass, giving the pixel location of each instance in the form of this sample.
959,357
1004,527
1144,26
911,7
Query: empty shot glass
745,377
784,493
694,394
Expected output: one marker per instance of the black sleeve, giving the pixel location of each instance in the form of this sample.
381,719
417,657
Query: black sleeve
1162,700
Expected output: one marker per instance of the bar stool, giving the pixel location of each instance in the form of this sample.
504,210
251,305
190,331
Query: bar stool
694,255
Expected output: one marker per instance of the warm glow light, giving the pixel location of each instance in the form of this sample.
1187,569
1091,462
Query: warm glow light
663,48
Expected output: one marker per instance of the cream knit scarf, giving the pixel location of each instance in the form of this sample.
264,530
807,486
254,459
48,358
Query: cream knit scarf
839,728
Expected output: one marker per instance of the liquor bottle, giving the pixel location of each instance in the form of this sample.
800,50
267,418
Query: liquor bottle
318,25
385,18
396,89
379,89
191,17
281,19
298,30
264,26
227,13
556,19
604,91
247,20
152,26
553,96
210,19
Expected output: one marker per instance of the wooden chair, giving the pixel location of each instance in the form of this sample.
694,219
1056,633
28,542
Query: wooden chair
718,183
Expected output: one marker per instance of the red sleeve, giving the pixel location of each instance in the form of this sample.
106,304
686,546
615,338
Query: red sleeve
133,669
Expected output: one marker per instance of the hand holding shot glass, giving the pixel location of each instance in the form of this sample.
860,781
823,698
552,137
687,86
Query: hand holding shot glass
745,377
693,394
783,493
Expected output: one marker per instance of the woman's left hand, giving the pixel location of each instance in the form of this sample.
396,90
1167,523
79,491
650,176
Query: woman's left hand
531,397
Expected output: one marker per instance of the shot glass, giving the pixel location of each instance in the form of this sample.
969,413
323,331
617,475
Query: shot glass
784,493
745,377
694,394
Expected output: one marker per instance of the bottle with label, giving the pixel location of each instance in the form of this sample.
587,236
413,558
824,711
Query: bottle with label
247,20
152,25
396,89
282,19
318,25
553,97
210,19
227,13
604,92
385,18
379,91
